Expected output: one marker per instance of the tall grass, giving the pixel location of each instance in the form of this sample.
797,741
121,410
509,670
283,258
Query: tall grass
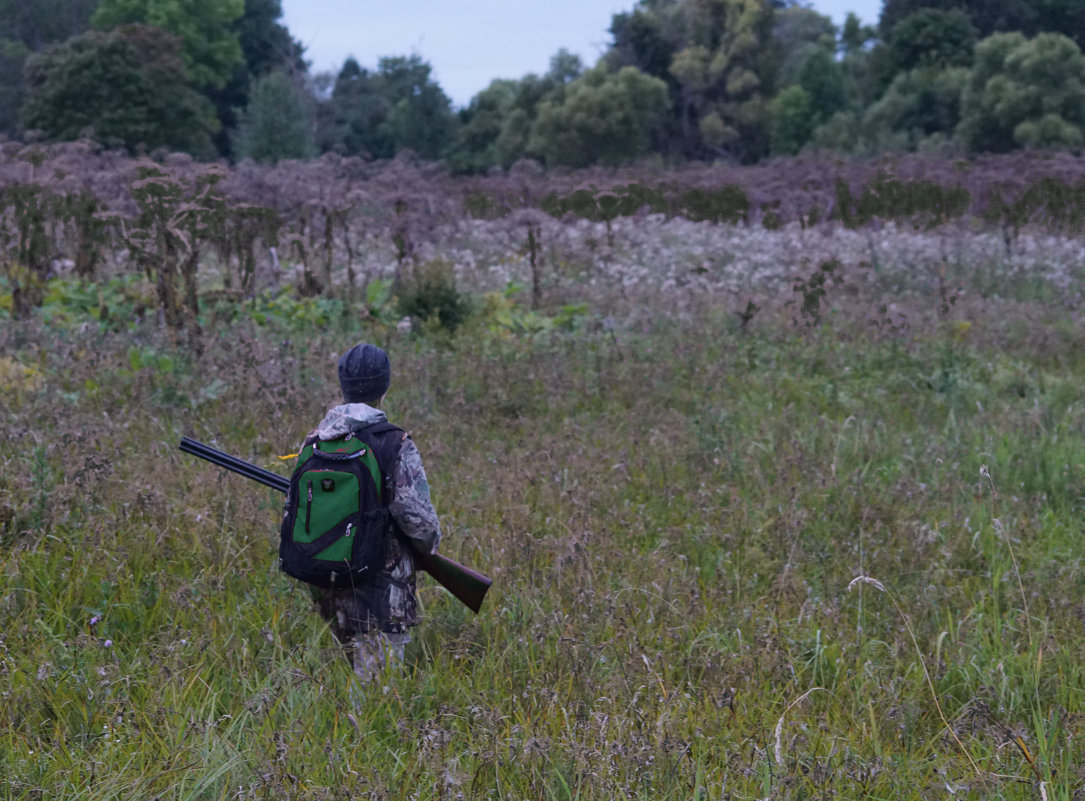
672,512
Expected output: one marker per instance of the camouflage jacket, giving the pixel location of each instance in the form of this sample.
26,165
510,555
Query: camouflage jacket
387,601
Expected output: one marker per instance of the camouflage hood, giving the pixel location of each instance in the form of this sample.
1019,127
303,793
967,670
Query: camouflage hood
346,418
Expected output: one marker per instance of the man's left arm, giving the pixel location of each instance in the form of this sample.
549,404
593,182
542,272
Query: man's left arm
411,506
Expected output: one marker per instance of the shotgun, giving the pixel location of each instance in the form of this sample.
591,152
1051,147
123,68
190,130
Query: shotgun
467,585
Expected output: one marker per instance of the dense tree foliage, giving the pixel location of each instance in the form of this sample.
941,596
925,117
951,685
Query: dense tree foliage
266,46
277,123
225,46
798,33
921,108
350,120
480,141
419,115
13,56
812,84
855,35
209,41
792,122
378,114
27,26
1024,92
820,75
931,38
988,16
37,23
723,74
817,93
1059,16
495,128
718,61
740,79
127,87
604,118
1028,17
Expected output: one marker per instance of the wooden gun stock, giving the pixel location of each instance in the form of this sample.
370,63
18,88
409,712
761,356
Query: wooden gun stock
469,586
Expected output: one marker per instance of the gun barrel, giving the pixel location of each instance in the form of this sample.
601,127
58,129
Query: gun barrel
239,466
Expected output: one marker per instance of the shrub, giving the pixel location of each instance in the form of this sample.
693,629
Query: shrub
430,295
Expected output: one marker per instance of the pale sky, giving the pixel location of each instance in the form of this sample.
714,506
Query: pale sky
470,42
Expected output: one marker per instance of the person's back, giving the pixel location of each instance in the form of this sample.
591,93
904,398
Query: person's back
373,617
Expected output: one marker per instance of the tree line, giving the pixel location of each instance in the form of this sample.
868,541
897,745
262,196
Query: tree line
729,80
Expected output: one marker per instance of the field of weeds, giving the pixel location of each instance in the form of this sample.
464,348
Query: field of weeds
770,514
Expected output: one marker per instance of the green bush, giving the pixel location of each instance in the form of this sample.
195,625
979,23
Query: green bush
430,295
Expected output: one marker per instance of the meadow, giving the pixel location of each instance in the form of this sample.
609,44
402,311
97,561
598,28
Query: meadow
788,513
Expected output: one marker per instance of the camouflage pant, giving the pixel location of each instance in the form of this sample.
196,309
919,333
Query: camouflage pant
372,651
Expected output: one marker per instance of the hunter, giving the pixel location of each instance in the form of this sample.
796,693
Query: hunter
373,618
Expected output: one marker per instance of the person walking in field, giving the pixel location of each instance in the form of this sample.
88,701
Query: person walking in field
370,610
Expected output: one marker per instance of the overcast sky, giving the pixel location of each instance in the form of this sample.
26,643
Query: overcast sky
470,42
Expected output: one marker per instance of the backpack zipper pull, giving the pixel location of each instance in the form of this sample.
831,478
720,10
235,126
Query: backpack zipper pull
309,506
349,527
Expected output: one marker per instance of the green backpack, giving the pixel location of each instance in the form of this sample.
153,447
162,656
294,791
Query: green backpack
336,520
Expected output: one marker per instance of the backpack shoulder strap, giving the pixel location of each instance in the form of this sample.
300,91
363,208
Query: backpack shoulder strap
386,440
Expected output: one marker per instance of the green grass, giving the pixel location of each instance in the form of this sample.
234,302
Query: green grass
672,519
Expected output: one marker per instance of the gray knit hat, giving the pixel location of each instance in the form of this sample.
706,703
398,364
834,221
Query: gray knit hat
364,373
